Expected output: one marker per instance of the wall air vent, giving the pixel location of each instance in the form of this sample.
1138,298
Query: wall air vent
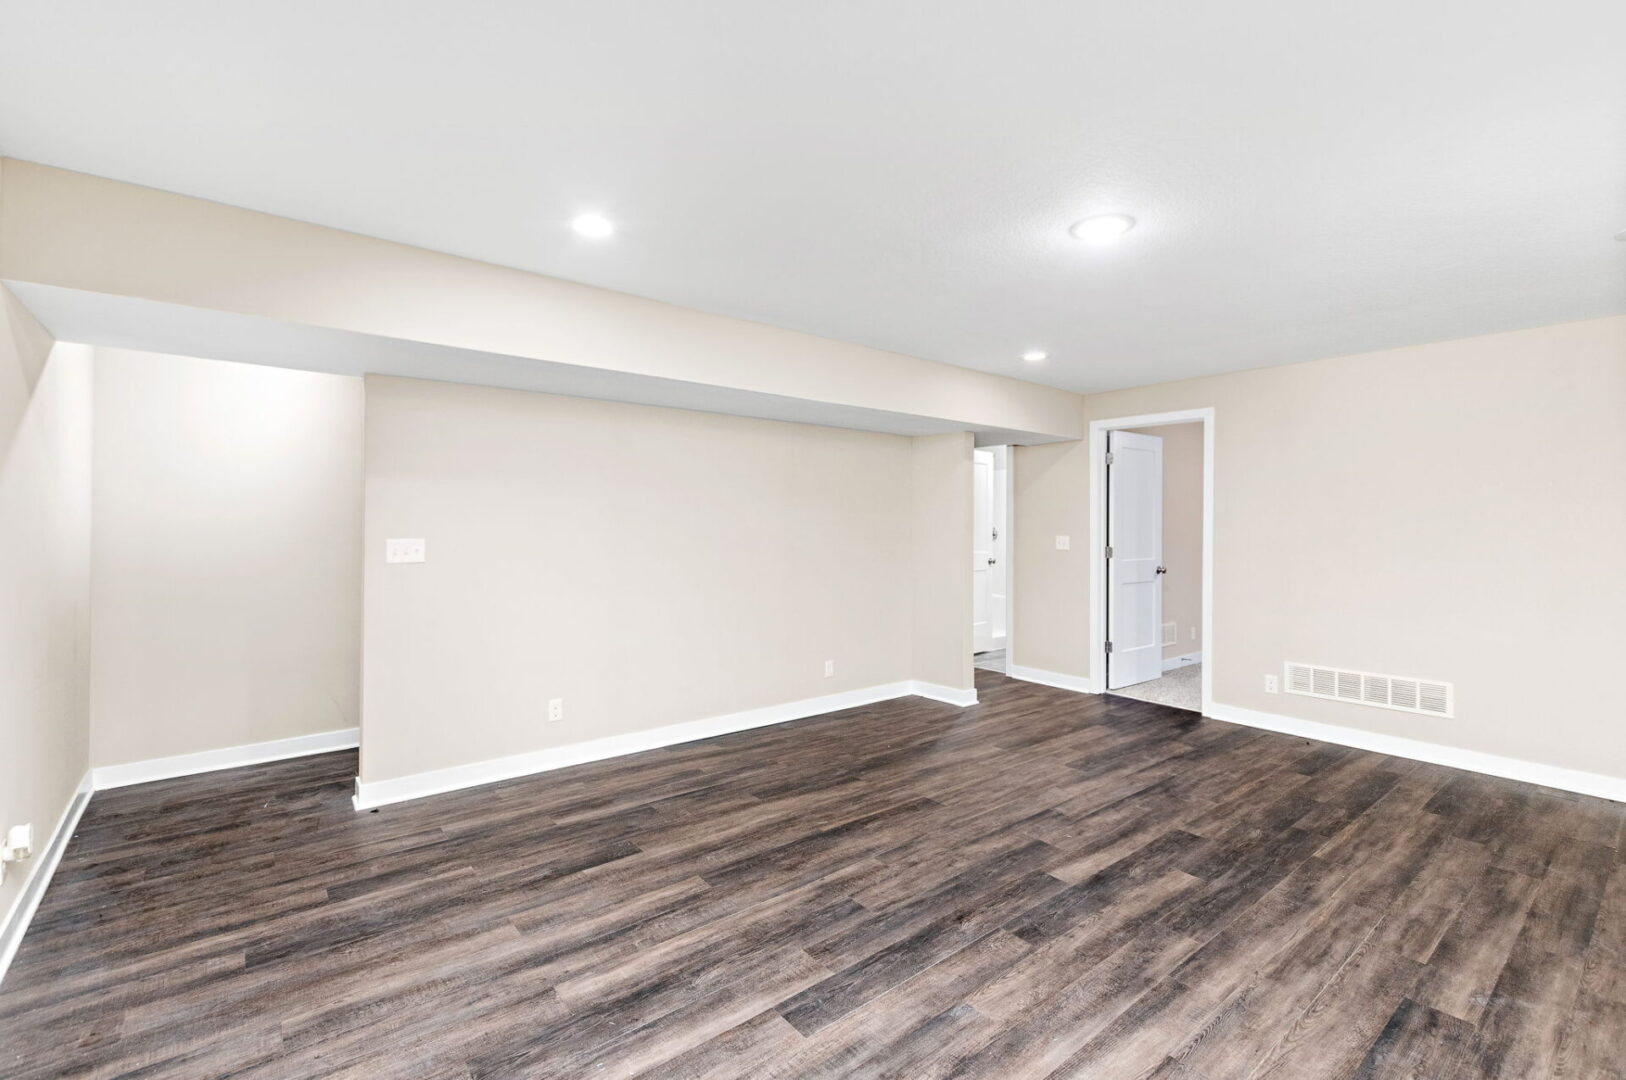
1427,696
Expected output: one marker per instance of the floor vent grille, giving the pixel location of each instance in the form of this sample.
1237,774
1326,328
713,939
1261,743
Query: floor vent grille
1427,696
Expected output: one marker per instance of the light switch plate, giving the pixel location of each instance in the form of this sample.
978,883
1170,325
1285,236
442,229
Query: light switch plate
1064,543
404,551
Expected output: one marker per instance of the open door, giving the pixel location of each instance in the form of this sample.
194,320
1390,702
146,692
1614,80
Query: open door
1134,558
982,549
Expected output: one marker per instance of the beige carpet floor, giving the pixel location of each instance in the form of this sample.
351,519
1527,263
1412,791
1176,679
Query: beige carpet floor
1181,688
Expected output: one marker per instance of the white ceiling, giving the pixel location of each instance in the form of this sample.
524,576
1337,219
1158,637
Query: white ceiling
1312,179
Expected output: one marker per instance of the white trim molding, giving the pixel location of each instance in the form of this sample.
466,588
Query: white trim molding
946,694
1082,684
229,757
39,874
1530,772
1183,661
376,793
1098,538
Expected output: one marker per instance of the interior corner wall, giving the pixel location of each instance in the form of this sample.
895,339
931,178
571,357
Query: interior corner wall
1450,511
1182,535
46,395
942,606
646,566
226,564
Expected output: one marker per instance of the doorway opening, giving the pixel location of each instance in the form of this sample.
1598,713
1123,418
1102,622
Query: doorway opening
1151,520
991,518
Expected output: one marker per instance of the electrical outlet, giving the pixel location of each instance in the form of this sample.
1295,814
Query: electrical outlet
829,669
19,845
1064,543
556,709
1272,686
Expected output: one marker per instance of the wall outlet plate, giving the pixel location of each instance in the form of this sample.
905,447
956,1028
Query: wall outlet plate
829,669
405,551
1064,543
1272,684
556,709
19,844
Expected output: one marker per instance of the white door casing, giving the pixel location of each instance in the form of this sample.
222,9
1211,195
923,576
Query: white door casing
1134,577
982,548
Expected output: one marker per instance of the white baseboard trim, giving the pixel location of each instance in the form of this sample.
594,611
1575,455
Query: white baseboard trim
1082,684
229,757
40,869
946,694
1183,661
1531,772
383,792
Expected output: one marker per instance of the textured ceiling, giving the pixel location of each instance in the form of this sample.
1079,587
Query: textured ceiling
1311,179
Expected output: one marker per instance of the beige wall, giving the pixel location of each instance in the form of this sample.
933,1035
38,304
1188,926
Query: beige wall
45,511
83,232
1051,588
648,566
1451,511
942,556
1182,534
227,556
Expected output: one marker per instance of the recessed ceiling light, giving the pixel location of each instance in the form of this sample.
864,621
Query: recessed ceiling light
593,226
1033,356
1101,228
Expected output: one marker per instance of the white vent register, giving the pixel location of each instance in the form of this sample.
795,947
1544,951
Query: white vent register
1427,696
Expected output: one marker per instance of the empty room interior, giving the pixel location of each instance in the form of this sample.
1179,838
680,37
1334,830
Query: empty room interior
766,540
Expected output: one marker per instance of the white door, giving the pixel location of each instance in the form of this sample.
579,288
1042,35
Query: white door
982,548
1135,565
999,581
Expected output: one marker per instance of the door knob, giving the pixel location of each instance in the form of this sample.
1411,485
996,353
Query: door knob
992,561
1163,569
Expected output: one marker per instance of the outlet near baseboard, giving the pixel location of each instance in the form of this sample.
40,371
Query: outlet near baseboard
19,845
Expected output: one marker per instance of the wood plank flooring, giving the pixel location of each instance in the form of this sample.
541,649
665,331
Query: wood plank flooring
1044,885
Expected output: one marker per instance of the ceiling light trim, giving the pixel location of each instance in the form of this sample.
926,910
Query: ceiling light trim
592,226
1101,228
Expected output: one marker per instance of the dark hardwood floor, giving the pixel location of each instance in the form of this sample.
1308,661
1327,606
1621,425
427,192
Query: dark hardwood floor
1045,885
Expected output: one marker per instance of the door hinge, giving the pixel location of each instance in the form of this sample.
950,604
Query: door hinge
1109,551
1109,457
1109,646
